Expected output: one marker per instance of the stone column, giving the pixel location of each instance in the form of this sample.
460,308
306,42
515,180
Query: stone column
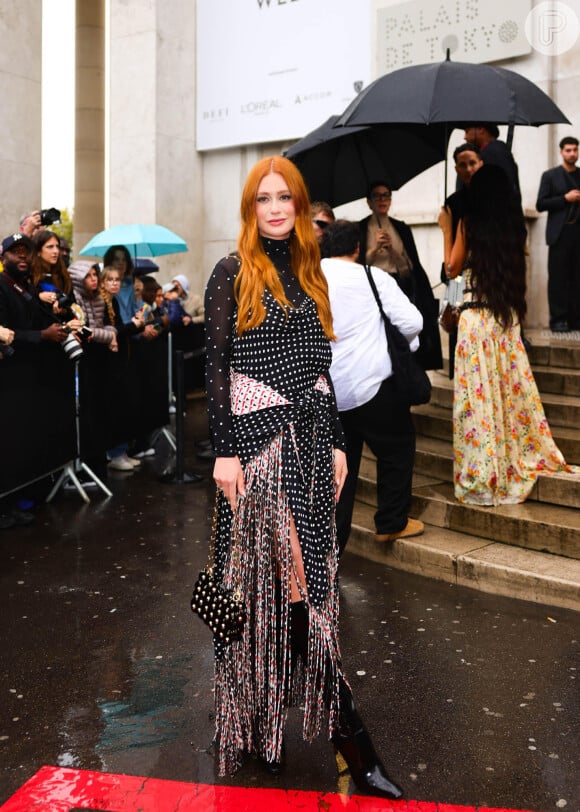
89,215
20,91
154,170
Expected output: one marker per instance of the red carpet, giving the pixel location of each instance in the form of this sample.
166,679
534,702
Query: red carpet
56,789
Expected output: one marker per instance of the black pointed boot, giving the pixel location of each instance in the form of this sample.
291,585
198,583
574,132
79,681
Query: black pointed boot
353,742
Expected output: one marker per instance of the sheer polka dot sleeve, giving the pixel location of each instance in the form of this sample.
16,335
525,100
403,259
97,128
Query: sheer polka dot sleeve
220,325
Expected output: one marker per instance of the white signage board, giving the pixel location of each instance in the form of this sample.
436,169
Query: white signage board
474,31
272,70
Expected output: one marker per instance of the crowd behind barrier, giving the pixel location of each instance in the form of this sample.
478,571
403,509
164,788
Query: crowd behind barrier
77,381
38,407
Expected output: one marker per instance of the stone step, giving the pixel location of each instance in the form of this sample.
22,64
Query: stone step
465,560
557,380
554,352
436,421
547,350
561,409
532,525
434,459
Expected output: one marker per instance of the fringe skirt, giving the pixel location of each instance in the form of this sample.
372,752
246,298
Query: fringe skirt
255,682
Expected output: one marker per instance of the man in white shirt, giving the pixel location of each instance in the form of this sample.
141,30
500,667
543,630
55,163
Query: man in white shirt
361,373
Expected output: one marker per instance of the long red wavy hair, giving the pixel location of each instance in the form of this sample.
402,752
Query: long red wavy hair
257,273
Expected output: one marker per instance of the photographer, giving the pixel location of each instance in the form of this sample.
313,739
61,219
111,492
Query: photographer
51,280
19,308
37,219
37,376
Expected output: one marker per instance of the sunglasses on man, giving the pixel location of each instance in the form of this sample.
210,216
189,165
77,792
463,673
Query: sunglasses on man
321,224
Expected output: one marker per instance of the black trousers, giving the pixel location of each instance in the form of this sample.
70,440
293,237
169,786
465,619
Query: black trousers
564,277
388,430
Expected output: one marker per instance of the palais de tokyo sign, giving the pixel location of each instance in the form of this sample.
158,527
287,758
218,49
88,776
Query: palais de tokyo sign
273,70
473,31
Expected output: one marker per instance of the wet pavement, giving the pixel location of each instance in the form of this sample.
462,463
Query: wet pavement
471,699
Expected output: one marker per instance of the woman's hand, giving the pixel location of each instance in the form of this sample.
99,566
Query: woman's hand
149,332
47,296
74,325
340,472
229,477
445,219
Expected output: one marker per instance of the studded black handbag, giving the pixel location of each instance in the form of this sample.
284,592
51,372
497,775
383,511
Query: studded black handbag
222,609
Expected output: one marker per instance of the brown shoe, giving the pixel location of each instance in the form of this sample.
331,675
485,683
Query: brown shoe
413,528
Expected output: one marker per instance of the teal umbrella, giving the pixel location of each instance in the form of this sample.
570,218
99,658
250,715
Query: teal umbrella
140,240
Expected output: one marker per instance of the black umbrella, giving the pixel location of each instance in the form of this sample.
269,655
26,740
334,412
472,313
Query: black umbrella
338,163
143,266
452,94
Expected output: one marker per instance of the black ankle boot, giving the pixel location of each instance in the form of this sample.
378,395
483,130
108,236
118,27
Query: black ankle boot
276,767
298,631
353,742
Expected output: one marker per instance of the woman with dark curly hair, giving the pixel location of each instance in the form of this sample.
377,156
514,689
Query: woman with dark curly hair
501,437
280,467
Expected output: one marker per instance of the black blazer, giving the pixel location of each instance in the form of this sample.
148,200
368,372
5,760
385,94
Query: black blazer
554,184
418,289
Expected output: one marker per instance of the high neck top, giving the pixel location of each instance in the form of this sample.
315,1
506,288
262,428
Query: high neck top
278,252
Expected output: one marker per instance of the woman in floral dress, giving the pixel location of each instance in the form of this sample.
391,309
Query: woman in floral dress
501,437
280,467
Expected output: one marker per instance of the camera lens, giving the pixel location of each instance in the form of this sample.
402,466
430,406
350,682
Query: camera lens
63,300
72,348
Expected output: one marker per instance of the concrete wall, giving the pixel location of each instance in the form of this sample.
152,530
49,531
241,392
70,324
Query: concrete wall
154,171
89,216
20,91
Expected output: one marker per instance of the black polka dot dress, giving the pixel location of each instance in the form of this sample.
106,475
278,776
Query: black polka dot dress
271,403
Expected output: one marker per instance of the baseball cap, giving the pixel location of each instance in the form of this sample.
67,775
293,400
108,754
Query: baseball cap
14,239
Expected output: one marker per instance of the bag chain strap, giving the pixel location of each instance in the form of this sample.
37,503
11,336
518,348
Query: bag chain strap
237,590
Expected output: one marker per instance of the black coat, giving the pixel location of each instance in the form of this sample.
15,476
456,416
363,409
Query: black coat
554,184
418,289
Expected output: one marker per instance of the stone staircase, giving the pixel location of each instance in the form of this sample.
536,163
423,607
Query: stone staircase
529,551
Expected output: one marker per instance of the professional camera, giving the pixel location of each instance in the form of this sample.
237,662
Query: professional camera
6,350
49,216
63,300
71,347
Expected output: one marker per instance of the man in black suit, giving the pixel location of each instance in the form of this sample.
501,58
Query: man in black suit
559,195
494,151
388,244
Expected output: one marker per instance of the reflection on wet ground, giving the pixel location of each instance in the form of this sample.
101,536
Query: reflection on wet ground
471,699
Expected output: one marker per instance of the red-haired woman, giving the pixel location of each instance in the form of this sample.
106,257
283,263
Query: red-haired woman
280,467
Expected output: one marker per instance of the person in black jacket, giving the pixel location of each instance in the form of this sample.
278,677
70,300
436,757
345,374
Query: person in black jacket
494,151
388,244
19,308
559,195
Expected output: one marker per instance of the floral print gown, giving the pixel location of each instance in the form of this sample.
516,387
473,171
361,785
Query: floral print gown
501,437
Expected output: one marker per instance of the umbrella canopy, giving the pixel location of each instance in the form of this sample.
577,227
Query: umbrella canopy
144,267
338,163
453,93
140,240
